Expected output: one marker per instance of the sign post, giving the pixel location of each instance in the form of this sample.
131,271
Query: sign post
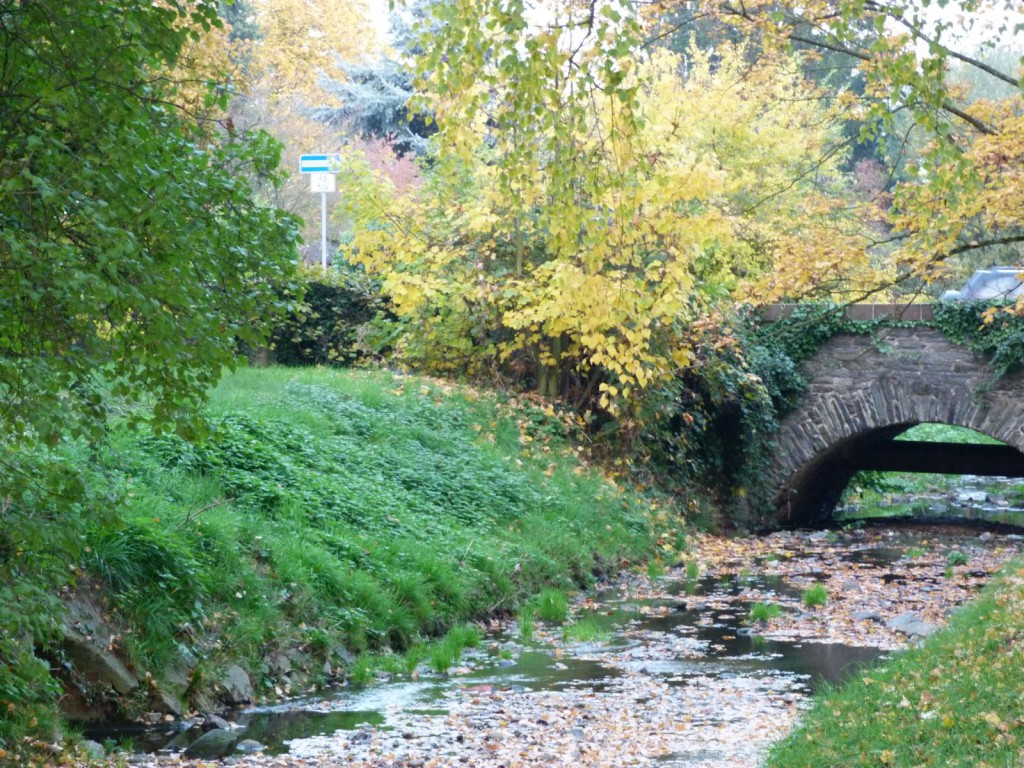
322,180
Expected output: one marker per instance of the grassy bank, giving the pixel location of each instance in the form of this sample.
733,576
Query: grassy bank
339,517
953,702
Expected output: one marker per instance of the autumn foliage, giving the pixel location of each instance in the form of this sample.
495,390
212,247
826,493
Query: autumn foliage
592,194
577,255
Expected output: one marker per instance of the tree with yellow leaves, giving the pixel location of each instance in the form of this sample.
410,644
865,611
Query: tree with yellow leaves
959,195
584,205
282,50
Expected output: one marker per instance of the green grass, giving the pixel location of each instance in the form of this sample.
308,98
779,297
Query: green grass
446,654
957,558
350,510
527,622
586,630
953,702
815,595
363,669
764,611
655,569
946,433
552,606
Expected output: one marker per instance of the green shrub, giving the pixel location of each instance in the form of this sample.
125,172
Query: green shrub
331,323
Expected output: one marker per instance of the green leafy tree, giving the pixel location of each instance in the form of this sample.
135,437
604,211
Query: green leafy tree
133,262
134,257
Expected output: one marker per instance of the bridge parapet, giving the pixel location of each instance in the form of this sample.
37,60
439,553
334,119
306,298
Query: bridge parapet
907,313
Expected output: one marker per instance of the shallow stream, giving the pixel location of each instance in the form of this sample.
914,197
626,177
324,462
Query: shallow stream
678,673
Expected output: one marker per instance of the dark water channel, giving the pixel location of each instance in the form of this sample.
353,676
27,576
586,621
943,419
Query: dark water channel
681,641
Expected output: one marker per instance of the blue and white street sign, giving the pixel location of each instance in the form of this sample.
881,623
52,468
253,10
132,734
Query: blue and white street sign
318,163
322,169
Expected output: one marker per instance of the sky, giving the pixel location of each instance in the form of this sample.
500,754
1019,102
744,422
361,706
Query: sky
982,31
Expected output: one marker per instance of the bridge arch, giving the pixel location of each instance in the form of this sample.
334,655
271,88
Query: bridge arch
864,391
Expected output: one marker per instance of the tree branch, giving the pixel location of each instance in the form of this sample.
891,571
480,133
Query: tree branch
793,35
919,33
977,244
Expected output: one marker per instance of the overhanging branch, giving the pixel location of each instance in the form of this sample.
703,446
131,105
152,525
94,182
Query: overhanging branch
837,47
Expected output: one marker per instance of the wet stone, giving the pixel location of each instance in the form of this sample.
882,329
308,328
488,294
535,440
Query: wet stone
912,624
249,746
213,745
211,721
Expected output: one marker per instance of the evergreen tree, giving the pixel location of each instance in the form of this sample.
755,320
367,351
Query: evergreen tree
375,97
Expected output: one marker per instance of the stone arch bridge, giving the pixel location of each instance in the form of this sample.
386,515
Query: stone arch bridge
863,391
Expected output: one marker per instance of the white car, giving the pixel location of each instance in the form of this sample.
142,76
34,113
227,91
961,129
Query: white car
989,284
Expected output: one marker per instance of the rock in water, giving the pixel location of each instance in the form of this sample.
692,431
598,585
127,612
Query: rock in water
912,624
212,745
93,750
212,722
249,746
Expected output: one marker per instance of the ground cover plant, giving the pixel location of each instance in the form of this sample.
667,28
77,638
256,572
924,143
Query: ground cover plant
348,513
765,611
953,702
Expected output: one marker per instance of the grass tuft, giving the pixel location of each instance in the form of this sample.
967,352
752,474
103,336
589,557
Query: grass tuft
587,630
552,606
526,623
957,558
815,595
765,611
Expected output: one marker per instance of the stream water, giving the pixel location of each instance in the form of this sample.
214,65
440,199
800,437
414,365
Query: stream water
677,674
